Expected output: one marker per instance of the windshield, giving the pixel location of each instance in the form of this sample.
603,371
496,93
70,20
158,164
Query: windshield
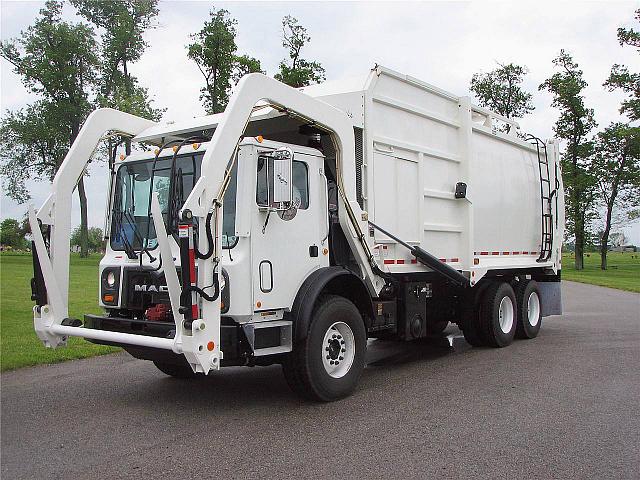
132,227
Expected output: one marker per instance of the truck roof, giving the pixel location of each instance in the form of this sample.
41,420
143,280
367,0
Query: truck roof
345,94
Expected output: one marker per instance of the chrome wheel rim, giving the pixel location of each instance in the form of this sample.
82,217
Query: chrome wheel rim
338,349
505,315
533,309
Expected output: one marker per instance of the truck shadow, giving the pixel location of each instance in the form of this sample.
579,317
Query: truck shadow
236,388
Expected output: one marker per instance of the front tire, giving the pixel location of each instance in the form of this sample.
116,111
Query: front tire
176,371
529,309
327,364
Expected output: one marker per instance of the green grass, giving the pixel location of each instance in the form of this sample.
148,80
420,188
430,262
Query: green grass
19,344
623,270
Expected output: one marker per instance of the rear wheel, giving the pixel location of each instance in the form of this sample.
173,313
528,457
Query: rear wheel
471,331
529,309
470,321
498,315
327,364
176,371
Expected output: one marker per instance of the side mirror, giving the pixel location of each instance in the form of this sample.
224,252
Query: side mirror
281,176
275,179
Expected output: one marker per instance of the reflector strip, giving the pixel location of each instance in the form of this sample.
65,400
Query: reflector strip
192,266
523,252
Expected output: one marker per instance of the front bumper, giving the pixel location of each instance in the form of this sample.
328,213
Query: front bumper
233,342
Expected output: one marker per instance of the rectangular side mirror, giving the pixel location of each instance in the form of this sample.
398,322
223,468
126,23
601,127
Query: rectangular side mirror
275,179
281,176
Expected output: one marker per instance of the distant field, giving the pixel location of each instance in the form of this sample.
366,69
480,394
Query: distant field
19,344
623,272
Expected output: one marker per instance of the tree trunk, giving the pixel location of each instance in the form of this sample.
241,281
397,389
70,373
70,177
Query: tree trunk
579,252
579,234
84,235
603,254
605,238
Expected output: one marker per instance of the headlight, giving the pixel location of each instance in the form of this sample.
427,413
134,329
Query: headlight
110,285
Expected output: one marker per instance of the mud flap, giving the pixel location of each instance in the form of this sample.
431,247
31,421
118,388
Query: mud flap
550,298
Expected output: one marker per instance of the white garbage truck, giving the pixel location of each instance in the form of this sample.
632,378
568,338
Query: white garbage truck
300,223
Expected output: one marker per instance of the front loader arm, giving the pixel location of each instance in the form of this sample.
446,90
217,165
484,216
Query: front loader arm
56,212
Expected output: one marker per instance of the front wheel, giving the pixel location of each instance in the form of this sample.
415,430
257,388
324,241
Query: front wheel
328,363
176,371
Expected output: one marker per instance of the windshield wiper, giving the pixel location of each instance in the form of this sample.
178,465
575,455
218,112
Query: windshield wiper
128,248
118,216
143,248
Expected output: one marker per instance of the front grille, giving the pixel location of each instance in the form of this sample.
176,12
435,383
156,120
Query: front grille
143,288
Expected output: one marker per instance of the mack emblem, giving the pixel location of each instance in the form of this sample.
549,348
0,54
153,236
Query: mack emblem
150,288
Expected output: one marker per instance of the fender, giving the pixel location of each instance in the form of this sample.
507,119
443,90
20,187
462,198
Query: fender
328,280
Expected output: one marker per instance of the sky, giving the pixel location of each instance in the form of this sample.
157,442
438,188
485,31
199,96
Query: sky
442,43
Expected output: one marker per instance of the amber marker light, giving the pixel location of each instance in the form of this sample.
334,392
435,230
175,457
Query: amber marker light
260,138
108,298
196,146
122,156
211,346
258,304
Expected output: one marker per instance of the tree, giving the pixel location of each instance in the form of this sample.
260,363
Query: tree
123,23
72,73
57,60
299,72
500,91
616,158
244,65
213,49
573,125
624,80
10,234
214,52
34,141
96,238
617,239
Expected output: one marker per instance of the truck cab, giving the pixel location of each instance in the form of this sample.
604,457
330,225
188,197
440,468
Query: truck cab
268,250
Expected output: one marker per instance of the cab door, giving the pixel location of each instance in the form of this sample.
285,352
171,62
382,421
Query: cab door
286,246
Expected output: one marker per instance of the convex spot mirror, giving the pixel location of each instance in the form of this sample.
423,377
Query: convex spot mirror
275,179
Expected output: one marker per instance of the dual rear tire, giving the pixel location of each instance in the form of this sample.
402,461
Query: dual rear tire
529,309
503,313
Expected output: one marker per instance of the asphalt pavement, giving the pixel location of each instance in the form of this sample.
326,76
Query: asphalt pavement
565,405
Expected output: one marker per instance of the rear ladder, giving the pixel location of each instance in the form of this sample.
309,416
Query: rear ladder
546,199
